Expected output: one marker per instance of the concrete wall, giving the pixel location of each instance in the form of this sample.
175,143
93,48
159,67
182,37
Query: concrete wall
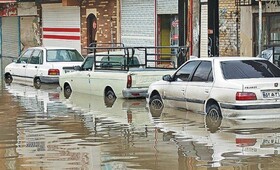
246,33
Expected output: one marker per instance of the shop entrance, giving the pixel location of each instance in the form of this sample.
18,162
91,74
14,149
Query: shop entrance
168,30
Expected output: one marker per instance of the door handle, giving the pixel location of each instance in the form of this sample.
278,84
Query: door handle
36,66
23,66
88,75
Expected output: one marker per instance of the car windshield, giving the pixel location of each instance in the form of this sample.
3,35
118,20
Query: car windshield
64,55
244,69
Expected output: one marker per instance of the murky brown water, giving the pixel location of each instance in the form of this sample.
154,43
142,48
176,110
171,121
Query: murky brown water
40,129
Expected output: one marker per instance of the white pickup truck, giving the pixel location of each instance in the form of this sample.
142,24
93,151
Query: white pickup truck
118,72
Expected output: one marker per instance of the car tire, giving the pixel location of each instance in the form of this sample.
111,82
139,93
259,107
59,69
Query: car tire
8,79
67,91
214,110
109,98
213,123
37,83
156,105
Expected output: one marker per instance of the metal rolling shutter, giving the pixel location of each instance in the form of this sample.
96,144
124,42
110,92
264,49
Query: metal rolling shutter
167,7
138,22
61,26
10,37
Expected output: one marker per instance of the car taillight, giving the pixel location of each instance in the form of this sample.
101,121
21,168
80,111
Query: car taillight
53,72
129,81
245,96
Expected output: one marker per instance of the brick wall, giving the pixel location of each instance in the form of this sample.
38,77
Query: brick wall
228,27
106,14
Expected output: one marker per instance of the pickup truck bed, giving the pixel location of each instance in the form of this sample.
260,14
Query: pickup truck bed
104,75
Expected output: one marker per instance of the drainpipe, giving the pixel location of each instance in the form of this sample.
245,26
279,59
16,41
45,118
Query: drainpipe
260,27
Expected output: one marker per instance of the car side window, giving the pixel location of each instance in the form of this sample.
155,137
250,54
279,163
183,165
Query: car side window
88,64
184,72
25,56
203,72
36,57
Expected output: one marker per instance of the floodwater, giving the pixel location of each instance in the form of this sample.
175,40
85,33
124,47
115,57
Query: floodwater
41,129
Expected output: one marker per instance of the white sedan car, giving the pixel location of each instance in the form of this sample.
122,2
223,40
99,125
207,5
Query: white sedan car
38,65
232,87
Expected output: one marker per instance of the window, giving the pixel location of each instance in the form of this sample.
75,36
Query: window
185,71
271,30
64,55
88,64
203,72
25,56
36,57
249,69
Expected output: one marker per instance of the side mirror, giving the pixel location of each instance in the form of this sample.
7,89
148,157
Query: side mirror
167,78
78,68
15,60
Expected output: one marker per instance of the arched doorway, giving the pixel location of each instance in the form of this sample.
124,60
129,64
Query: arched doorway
91,29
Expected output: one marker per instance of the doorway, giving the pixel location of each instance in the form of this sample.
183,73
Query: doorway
91,29
213,28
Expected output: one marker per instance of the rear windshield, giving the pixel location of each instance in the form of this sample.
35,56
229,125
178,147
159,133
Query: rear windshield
64,55
243,69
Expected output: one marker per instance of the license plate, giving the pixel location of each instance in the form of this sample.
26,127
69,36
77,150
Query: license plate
271,140
271,94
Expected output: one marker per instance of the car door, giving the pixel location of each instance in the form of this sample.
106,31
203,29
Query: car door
175,91
34,64
19,70
199,87
82,80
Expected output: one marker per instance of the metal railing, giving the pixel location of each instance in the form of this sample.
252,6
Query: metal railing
272,53
115,56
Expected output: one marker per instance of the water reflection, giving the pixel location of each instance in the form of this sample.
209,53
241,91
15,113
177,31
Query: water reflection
83,133
40,128
222,142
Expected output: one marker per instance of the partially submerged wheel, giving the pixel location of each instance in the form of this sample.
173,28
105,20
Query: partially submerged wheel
213,118
67,91
37,83
156,105
8,78
109,98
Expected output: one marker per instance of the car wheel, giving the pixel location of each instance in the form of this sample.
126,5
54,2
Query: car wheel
156,105
214,111
213,123
67,91
37,83
109,98
8,79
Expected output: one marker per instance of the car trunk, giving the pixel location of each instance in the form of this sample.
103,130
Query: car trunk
146,77
264,88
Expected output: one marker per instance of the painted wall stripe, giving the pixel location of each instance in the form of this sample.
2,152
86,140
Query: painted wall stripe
62,37
62,29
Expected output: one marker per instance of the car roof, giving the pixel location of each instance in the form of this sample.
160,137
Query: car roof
52,48
227,58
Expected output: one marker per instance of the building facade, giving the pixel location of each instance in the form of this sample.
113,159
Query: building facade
249,30
213,28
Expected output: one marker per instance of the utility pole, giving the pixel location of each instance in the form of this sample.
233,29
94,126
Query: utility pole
183,18
260,27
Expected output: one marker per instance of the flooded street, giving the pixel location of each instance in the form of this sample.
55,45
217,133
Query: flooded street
41,129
